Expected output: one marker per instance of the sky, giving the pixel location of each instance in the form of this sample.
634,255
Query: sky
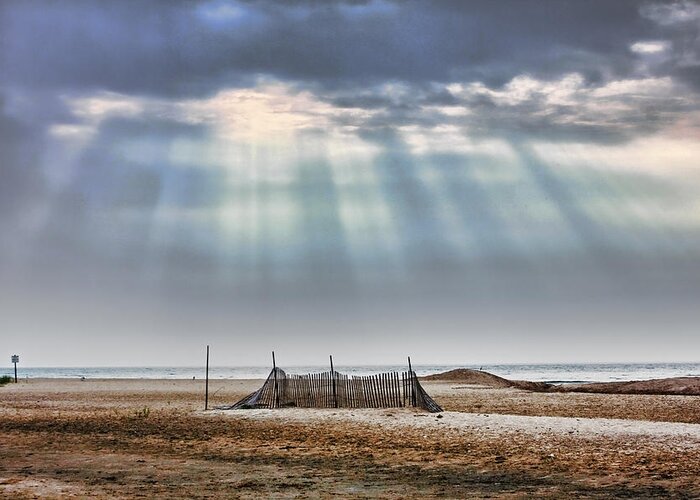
462,182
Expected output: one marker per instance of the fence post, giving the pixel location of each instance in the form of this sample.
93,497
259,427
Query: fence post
206,383
335,394
274,370
412,376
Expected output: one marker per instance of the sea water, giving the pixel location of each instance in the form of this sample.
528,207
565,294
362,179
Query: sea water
552,373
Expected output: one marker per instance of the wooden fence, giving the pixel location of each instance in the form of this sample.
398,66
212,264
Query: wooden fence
336,390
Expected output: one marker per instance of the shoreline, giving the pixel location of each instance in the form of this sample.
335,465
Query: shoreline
677,386
566,374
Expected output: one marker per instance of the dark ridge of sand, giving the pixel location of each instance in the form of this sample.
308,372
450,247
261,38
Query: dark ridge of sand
685,386
478,377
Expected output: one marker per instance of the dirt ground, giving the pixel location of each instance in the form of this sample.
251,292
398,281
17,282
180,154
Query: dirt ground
151,439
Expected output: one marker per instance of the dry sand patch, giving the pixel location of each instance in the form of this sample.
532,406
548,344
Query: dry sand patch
95,437
407,419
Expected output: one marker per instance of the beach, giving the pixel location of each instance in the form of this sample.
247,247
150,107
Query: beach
144,438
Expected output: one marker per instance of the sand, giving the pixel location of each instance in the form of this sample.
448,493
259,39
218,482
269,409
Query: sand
665,433
152,439
687,386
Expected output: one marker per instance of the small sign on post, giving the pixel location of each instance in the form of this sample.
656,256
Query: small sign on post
15,360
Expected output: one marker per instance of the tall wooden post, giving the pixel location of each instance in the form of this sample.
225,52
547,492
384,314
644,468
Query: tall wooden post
412,378
206,383
335,395
274,370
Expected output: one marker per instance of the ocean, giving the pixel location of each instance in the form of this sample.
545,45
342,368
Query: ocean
552,373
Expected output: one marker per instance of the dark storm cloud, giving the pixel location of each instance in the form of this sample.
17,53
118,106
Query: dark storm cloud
536,118
678,22
182,47
346,51
587,113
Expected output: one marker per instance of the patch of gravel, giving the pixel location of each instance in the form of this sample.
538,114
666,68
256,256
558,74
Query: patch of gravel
495,424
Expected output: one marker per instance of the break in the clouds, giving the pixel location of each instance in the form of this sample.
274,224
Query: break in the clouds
320,169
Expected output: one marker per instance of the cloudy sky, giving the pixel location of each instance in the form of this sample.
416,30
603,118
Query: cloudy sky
465,182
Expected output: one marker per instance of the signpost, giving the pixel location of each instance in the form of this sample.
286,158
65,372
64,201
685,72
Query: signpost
15,360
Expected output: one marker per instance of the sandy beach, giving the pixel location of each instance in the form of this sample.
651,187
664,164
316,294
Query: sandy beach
152,438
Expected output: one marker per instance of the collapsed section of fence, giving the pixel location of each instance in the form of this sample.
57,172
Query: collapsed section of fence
336,390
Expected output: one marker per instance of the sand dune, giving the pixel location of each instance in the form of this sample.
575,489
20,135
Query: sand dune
486,379
686,386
